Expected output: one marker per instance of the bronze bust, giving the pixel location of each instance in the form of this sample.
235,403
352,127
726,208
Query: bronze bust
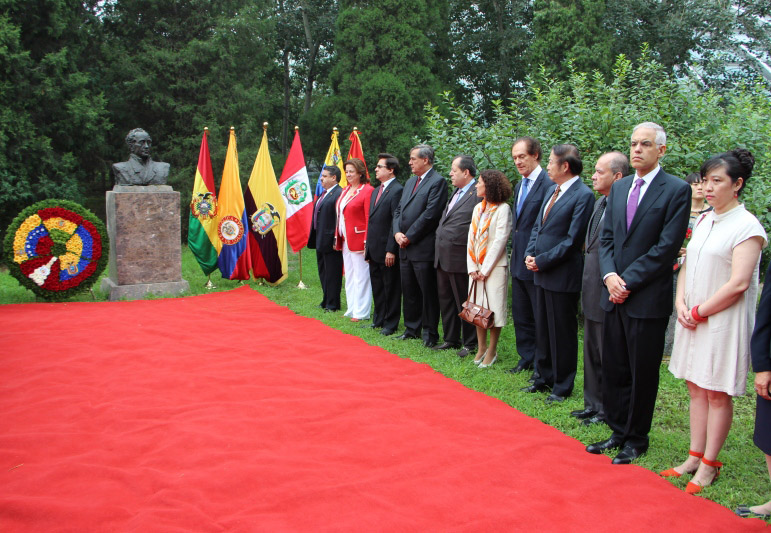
140,169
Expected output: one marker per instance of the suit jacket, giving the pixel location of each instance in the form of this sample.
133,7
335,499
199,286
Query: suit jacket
418,214
323,237
761,336
452,233
380,235
643,256
135,172
356,214
522,225
557,243
497,236
591,285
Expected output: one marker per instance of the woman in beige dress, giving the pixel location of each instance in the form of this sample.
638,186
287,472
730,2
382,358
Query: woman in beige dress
716,296
487,260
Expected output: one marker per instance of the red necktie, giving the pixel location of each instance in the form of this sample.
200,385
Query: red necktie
379,194
415,188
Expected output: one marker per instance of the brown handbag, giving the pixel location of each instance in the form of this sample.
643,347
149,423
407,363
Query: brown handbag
475,313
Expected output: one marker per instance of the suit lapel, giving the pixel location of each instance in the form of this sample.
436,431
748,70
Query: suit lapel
654,191
561,202
540,181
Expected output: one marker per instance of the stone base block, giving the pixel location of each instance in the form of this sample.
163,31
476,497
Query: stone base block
140,290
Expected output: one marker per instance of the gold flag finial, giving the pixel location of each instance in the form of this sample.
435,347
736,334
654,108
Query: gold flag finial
297,128
265,126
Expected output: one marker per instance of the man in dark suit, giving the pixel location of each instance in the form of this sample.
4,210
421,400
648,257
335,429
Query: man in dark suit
450,256
528,197
609,168
554,256
322,237
381,249
414,227
645,222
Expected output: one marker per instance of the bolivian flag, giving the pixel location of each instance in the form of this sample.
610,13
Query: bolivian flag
267,219
234,260
202,236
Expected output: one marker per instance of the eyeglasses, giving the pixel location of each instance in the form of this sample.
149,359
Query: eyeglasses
381,166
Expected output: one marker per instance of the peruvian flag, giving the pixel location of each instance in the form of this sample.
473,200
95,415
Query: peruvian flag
296,190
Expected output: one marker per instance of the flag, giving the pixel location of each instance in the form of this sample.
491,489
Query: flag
356,150
234,260
333,159
202,236
296,190
267,216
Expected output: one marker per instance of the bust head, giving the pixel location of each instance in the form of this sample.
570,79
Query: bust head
139,142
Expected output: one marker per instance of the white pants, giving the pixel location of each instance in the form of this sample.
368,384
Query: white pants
358,291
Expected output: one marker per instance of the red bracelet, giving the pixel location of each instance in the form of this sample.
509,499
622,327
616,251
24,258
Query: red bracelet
696,316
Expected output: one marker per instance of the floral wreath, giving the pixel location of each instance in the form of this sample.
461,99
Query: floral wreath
56,248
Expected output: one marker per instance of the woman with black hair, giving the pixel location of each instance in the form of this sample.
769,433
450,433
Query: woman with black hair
716,295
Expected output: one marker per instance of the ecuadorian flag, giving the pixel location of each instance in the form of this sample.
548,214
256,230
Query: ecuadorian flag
234,261
266,212
202,236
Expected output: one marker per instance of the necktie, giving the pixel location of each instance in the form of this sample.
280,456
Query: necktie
316,209
631,204
523,194
453,199
597,217
551,203
379,194
417,182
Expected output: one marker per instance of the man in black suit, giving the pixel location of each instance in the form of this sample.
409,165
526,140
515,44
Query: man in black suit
322,238
528,197
645,222
381,249
554,256
609,168
450,256
414,227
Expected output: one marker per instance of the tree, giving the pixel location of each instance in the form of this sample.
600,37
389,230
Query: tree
387,68
53,120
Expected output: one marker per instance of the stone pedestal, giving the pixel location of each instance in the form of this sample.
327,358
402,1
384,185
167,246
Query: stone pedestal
144,226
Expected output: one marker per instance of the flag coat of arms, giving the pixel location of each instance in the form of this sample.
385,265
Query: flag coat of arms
234,260
202,238
356,149
333,159
266,214
296,190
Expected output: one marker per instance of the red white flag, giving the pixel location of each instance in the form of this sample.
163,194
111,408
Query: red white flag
296,190
356,150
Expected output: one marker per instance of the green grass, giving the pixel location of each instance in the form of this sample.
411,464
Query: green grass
744,479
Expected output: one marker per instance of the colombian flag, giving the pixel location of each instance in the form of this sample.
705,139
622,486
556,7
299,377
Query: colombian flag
333,159
356,150
267,216
202,236
234,260
296,190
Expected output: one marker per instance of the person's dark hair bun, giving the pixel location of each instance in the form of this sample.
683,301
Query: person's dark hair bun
746,159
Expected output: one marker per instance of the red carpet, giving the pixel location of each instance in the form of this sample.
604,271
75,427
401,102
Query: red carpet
226,412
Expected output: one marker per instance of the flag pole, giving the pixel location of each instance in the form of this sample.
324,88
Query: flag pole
301,285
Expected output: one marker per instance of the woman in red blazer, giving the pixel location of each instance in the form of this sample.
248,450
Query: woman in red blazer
352,219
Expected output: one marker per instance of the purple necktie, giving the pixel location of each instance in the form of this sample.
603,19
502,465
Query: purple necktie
634,198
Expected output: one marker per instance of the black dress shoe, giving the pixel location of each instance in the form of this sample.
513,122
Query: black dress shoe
387,332
531,379
604,445
446,346
583,413
535,388
593,420
521,366
429,344
554,398
405,336
463,352
375,326
628,454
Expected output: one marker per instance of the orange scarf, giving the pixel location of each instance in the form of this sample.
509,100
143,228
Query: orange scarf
477,248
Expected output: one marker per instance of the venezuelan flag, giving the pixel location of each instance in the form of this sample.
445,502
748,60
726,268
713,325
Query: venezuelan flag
266,212
202,236
234,260
333,159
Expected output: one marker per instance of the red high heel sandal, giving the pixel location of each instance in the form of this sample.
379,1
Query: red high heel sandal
671,472
693,488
